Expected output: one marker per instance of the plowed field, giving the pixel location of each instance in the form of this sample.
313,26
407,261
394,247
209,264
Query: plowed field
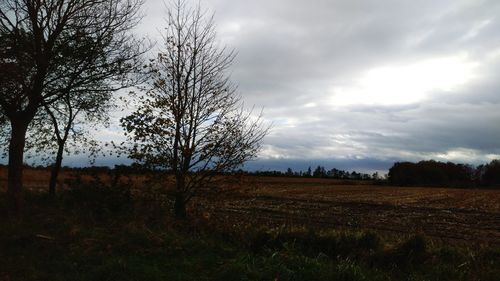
465,216
459,216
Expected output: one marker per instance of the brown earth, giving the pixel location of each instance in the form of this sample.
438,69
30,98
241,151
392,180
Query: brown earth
459,216
464,216
37,180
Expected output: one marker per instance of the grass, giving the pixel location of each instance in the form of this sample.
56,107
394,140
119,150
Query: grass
94,233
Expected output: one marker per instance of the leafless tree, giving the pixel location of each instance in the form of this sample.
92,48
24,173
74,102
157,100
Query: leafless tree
190,122
49,48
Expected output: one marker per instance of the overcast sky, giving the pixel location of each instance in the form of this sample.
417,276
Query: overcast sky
360,83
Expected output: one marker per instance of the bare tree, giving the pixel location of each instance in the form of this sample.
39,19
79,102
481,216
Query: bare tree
190,122
49,48
65,127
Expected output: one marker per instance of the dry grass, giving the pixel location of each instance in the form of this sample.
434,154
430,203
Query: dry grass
37,180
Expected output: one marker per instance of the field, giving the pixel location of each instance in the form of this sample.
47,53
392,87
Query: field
249,228
458,216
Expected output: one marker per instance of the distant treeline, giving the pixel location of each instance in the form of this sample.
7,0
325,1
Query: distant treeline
121,169
319,172
434,173
424,173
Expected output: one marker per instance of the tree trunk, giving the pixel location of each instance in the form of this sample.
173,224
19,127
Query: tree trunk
55,170
180,207
15,170
180,202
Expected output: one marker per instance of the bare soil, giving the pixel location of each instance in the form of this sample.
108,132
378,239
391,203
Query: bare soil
463,216
469,217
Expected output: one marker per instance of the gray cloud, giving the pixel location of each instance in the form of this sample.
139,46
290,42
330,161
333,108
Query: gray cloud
295,57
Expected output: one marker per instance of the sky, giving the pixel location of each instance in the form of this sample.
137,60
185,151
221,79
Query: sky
360,84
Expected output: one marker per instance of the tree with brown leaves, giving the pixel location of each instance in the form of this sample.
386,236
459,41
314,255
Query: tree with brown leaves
190,122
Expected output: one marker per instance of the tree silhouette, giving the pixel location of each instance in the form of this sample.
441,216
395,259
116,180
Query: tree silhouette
319,172
431,173
190,122
308,173
51,48
491,174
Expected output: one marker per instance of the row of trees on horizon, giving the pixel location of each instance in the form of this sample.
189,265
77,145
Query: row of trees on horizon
423,173
321,172
135,168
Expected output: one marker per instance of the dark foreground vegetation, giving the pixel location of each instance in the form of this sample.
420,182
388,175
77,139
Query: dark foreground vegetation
98,231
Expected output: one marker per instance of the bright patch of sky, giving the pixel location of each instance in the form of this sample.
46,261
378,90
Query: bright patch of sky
406,83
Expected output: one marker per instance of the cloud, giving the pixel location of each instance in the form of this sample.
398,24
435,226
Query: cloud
406,83
364,81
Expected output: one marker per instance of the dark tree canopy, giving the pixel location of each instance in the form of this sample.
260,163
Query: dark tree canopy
489,174
431,173
52,47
